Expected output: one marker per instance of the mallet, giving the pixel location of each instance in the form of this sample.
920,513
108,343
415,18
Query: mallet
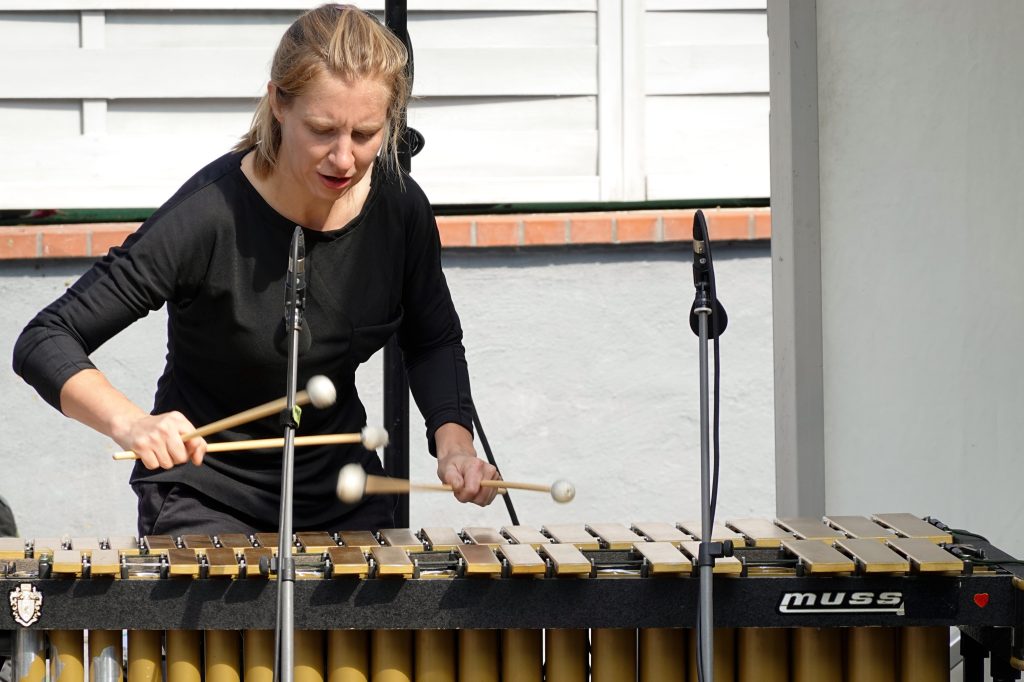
354,483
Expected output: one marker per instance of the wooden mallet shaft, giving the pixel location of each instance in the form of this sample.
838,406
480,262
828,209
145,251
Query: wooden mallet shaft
319,391
266,443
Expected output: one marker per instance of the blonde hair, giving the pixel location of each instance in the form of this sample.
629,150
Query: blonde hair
341,40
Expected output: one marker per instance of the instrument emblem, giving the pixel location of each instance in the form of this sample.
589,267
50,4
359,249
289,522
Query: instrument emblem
26,604
981,599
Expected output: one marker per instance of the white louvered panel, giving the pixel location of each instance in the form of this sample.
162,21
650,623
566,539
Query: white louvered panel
242,72
510,153
691,5
700,52
38,30
230,118
707,147
56,118
185,29
101,171
500,113
469,189
298,5
474,30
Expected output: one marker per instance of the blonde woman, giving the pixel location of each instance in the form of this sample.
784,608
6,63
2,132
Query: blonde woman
321,153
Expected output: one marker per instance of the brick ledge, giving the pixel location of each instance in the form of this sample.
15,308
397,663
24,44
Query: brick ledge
481,231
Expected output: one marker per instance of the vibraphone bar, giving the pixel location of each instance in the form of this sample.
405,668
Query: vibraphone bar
842,598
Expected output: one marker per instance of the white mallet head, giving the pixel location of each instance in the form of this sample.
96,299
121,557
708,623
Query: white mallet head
351,483
562,491
374,437
321,391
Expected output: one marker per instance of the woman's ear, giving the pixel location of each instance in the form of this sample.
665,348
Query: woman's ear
274,101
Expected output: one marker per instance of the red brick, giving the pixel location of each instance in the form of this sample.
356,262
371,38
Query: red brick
455,231
762,223
107,235
497,231
678,225
63,241
728,224
18,242
541,230
591,229
636,227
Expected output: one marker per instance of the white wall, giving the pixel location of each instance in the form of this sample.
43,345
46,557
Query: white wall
583,367
116,102
920,141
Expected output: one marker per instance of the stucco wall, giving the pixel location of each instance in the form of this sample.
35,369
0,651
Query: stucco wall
583,367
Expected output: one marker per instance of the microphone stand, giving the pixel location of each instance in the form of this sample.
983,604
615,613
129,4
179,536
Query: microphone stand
705,308
295,300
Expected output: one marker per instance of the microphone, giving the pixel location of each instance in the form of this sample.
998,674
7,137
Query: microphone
703,282
294,298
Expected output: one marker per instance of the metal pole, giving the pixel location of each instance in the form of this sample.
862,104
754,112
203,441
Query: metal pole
706,625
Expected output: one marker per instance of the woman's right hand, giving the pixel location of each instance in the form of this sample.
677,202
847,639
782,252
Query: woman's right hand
156,439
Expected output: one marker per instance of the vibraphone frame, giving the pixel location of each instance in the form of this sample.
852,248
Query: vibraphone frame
992,625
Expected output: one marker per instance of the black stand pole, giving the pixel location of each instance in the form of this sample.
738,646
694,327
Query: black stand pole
396,384
707,320
284,654
705,560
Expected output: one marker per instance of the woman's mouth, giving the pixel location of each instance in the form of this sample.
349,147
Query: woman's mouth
334,182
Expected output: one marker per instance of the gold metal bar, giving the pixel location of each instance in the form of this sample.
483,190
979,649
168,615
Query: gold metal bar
613,535
348,561
479,535
363,539
810,529
566,652
661,532
759,532
924,654
252,556
258,656
155,543
67,562
440,539
12,548
571,534
816,557
183,656
522,560
719,532
909,526
663,558
197,541
524,535
223,656
392,561
817,654
567,560
859,527
309,656
872,556
237,541
67,663
105,656
872,654
104,562
926,557
182,562
222,561
479,560
401,537
391,656
312,543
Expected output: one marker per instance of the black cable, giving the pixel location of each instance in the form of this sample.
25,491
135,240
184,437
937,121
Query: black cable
490,458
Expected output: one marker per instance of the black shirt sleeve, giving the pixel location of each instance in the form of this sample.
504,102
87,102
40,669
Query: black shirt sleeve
431,334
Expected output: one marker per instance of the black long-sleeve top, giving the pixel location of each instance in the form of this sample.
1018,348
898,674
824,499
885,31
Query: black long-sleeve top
217,254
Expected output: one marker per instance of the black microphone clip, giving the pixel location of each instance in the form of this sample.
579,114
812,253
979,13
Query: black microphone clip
295,285
705,299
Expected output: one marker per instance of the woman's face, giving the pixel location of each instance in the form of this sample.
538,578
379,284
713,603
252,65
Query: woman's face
330,135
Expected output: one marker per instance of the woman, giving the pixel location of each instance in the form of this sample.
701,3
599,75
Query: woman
321,153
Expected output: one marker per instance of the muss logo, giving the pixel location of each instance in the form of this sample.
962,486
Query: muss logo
842,602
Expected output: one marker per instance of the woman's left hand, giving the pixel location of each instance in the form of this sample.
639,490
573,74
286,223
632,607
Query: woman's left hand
459,467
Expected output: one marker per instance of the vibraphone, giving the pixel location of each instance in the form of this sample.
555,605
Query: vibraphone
849,599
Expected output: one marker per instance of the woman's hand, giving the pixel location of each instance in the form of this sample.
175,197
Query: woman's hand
459,467
156,439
